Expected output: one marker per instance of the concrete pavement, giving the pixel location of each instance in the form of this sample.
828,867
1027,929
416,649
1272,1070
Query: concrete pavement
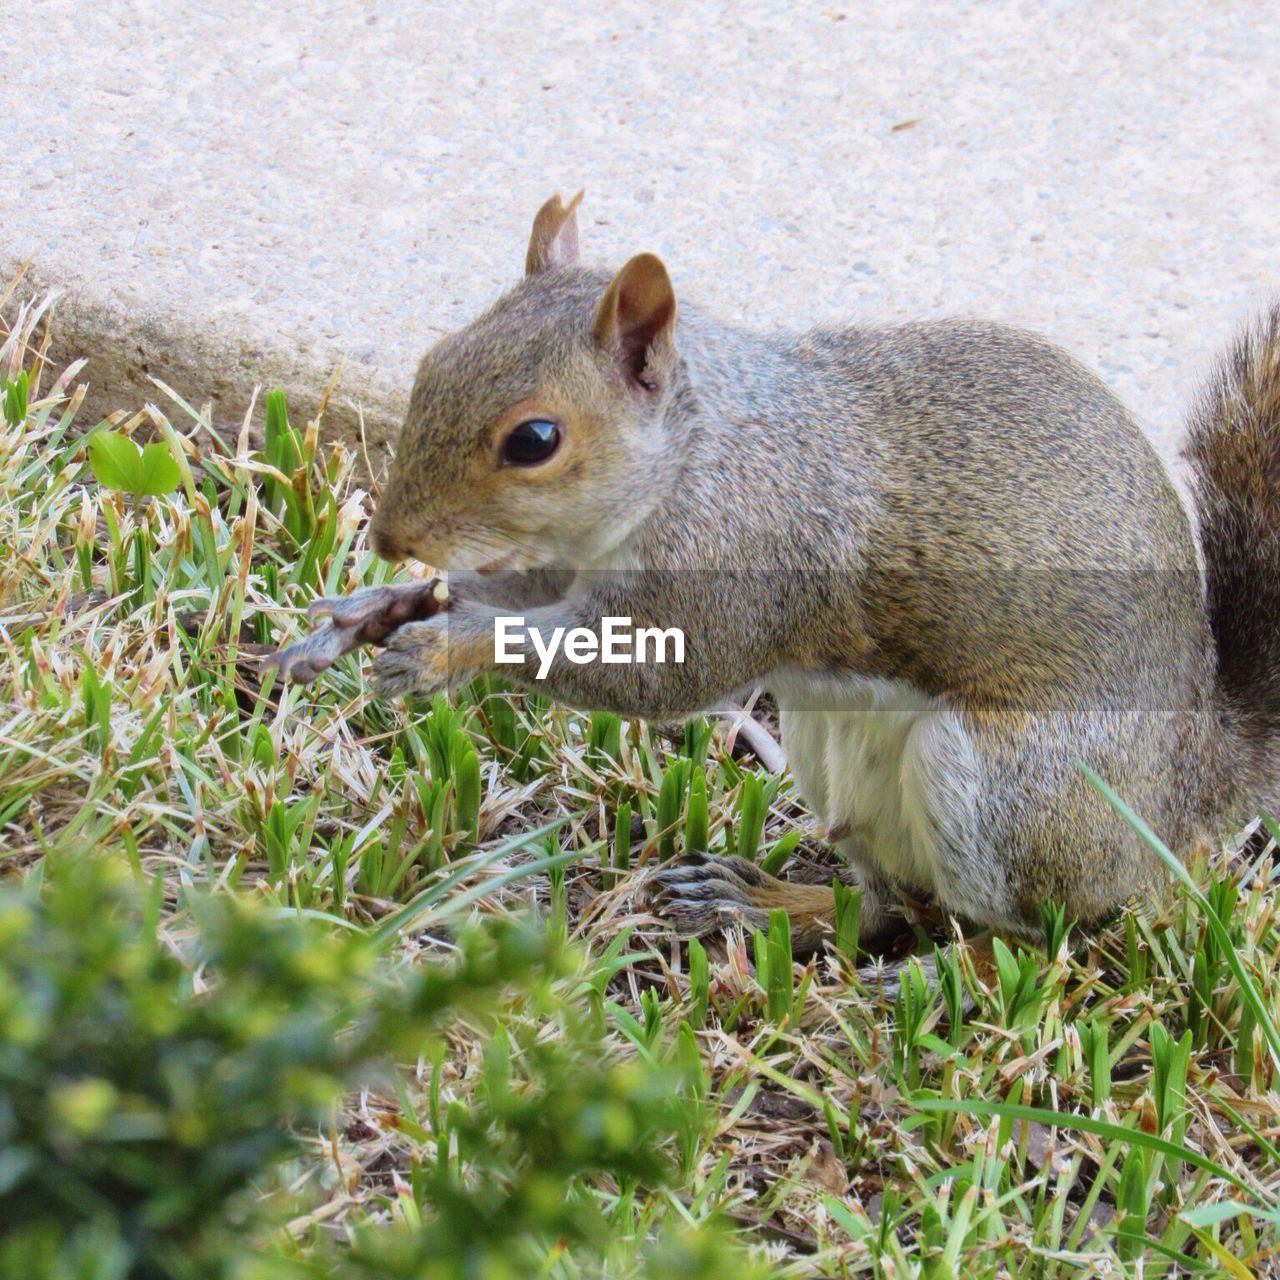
248,192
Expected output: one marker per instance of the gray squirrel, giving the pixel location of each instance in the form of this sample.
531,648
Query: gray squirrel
946,548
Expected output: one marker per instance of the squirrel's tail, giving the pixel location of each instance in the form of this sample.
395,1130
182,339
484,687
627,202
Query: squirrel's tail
1233,447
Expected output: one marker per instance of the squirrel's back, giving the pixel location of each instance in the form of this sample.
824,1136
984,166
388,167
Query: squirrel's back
991,493
1008,445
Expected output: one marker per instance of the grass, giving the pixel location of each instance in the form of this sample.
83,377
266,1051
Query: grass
1108,1104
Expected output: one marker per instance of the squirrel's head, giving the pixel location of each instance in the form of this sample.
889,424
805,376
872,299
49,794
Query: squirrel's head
535,436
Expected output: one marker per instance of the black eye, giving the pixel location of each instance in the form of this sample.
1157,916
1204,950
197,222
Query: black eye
530,443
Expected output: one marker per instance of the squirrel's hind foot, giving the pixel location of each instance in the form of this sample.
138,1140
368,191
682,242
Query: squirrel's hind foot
701,893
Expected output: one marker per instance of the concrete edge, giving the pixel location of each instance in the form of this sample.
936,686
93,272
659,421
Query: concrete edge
127,345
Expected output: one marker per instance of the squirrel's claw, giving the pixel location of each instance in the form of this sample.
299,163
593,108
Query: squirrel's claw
416,660
701,893
394,675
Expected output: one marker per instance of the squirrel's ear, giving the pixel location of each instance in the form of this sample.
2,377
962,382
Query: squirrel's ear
636,319
553,242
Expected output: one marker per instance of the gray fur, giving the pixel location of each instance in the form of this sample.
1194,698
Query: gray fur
958,511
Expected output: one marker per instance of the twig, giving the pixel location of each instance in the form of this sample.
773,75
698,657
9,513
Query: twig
755,735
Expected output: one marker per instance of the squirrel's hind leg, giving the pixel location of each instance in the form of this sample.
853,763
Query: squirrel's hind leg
700,893
885,980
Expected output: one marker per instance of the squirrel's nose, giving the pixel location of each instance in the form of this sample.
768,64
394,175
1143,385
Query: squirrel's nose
387,545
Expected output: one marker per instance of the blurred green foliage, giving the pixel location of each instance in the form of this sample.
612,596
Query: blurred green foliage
150,1081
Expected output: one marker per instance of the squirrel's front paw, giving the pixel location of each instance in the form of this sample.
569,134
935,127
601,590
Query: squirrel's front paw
415,660
429,657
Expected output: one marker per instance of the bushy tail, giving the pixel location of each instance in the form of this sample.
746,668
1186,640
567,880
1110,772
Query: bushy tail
1233,447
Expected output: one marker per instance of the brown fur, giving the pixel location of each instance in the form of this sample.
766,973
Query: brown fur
956,512
1234,447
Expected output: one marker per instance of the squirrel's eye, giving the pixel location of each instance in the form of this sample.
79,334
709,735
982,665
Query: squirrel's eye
530,443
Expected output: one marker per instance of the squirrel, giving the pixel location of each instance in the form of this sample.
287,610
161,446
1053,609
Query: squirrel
946,548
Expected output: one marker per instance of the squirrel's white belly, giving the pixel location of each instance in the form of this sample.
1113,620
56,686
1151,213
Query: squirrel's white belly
893,774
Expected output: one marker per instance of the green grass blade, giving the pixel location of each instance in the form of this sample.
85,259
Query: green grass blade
1230,955
434,904
1086,1124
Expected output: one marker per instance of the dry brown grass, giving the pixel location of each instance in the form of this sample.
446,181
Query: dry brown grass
135,719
